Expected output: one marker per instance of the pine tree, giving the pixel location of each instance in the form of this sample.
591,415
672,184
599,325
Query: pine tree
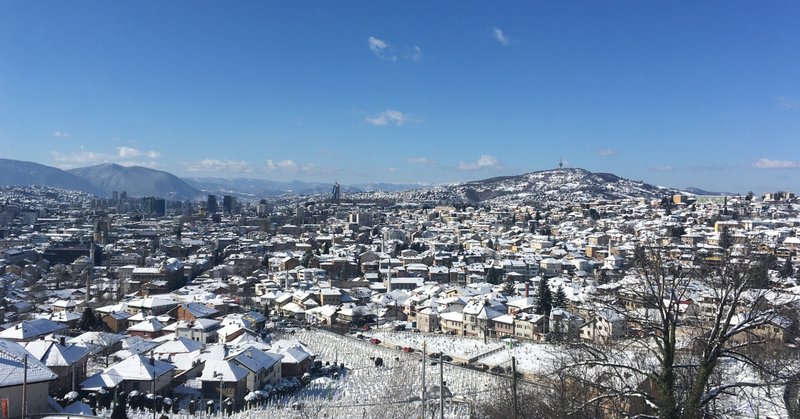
509,287
725,239
88,320
787,269
560,299
544,298
603,277
306,262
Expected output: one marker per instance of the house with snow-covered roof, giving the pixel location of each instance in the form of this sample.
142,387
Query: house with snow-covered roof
263,367
66,360
37,376
135,372
226,377
29,330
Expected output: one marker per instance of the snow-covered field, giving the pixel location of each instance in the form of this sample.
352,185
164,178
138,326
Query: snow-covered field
391,391
462,347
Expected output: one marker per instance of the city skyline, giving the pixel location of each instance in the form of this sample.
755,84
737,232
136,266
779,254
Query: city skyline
676,95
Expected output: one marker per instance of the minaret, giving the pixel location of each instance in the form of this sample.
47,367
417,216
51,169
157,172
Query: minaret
389,277
90,273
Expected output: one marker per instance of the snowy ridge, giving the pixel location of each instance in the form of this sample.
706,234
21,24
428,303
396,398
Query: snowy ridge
573,184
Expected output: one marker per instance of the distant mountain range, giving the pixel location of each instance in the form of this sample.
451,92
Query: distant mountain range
570,184
26,173
136,181
256,188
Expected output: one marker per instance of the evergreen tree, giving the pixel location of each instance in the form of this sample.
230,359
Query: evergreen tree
494,275
639,256
88,320
509,287
544,298
306,262
603,278
560,299
787,269
725,239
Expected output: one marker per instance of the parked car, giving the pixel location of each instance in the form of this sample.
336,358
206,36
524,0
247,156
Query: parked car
375,341
408,349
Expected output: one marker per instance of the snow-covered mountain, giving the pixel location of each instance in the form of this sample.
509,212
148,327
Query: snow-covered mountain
136,181
572,184
25,173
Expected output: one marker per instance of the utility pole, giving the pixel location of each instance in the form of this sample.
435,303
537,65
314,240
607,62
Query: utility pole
424,360
514,385
25,386
441,386
155,376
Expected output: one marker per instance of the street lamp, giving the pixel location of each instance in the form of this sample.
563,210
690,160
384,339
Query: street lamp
220,375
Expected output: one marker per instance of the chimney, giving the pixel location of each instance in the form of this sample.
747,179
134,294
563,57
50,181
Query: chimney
62,341
527,289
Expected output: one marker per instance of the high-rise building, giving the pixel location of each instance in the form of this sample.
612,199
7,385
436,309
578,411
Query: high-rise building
228,203
336,192
154,206
211,204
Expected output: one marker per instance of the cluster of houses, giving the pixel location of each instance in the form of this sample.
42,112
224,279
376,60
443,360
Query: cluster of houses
180,301
183,350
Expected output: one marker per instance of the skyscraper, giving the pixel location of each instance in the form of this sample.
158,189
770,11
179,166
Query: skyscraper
211,204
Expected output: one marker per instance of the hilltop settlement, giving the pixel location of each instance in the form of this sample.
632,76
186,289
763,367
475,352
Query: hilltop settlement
135,304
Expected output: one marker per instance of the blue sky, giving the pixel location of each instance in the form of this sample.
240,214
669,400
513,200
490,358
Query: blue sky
672,93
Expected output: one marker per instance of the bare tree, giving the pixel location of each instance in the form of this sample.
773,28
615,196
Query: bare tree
689,326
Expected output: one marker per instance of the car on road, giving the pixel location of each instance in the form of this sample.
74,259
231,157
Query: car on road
375,341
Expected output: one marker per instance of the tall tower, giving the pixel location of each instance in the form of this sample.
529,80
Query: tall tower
336,192
90,269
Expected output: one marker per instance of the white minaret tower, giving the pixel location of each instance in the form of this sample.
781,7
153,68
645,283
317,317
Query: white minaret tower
90,272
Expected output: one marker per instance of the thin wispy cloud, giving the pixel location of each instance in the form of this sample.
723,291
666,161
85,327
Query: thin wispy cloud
484,162
788,103
219,166
283,164
662,168
500,37
291,167
420,161
386,51
606,152
61,134
79,158
381,49
390,117
764,163
122,157
128,152
414,54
